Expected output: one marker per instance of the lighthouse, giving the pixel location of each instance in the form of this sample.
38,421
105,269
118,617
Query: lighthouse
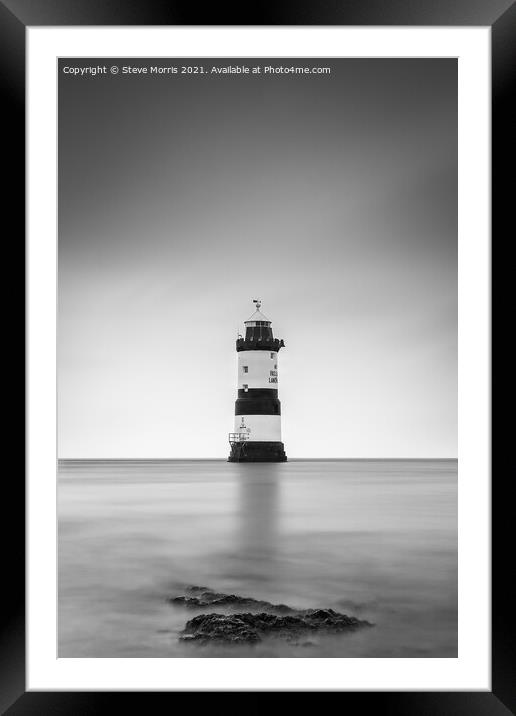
257,430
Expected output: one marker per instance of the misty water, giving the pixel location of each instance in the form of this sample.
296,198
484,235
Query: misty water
375,539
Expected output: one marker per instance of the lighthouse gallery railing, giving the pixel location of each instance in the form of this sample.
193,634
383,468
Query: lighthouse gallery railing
238,438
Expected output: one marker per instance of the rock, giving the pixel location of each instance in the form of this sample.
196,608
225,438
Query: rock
250,628
203,597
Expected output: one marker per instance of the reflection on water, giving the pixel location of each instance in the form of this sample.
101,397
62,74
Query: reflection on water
256,535
374,539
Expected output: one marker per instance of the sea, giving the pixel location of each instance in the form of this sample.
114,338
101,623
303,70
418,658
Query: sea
374,539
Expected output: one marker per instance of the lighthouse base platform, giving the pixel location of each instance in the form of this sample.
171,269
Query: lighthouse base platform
255,451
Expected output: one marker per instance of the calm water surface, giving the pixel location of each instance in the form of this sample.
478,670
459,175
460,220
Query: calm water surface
373,539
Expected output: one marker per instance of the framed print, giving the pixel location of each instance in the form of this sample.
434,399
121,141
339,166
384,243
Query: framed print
311,191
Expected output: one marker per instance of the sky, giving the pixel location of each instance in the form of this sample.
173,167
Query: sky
331,197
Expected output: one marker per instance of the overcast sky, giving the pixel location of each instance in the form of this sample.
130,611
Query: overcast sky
333,198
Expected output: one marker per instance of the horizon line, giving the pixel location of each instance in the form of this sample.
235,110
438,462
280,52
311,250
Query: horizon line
223,459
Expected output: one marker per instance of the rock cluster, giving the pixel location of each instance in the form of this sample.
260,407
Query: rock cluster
205,597
251,628
264,620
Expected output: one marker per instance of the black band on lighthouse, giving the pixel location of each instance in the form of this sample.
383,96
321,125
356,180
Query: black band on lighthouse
258,452
267,393
257,406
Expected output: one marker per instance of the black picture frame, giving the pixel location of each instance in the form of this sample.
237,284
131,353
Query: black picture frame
500,15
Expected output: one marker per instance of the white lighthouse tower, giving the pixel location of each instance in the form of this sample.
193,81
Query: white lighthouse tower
257,431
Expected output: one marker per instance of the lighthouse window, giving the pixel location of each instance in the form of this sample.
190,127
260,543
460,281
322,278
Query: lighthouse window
272,356
246,369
